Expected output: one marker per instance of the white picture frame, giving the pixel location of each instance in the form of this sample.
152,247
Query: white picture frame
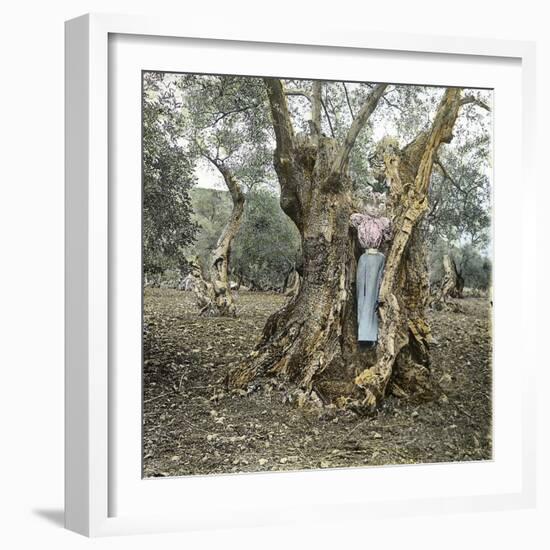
101,497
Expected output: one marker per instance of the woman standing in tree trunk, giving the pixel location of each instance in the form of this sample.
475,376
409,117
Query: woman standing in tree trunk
373,229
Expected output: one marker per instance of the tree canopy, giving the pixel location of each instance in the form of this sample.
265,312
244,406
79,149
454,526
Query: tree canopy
168,175
194,125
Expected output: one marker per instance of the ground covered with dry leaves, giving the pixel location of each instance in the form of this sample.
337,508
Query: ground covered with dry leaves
191,425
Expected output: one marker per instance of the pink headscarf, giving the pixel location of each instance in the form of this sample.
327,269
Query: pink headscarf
371,230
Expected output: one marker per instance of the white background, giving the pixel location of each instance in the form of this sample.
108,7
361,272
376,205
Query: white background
31,273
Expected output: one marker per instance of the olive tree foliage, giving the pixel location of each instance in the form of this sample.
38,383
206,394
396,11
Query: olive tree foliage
225,123
168,176
460,195
473,268
267,246
458,224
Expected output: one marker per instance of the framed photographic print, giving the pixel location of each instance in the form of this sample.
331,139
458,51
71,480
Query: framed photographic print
295,282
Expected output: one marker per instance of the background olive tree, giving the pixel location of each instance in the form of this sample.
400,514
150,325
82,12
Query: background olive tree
225,125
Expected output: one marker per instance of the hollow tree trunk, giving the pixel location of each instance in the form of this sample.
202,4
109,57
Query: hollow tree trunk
312,341
311,332
404,333
223,299
314,330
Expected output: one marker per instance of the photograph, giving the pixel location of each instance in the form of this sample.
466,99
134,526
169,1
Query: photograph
317,261
294,292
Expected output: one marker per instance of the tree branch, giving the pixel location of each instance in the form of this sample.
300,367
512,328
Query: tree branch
471,99
235,190
328,118
466,192
348,101
393,105
446,174
220,116
440,132
316,107
433,208
282,125
357,125
284,152
294,91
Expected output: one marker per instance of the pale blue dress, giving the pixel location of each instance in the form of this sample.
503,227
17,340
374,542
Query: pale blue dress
369,277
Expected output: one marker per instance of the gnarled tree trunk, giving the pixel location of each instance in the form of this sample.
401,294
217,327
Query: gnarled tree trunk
309,334
404,335
312,341
204,294
451,284
223,299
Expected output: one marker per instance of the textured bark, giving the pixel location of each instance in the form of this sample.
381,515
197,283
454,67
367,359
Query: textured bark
224,303
292,284
404,334
305,337
204,293
309,335
316,108
459,290
312,342
451,284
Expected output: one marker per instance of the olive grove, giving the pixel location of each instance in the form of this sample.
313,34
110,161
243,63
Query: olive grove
321,149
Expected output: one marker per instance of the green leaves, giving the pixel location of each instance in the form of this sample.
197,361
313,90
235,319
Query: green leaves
168,174
268,243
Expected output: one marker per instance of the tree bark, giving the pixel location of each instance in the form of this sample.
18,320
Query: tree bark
404,333
292,282
204,294
307,335
312,341
451,284
219,264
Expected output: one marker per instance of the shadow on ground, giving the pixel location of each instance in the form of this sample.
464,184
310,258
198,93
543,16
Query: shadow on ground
56,517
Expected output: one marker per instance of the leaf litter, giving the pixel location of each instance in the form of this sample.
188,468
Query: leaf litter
193,426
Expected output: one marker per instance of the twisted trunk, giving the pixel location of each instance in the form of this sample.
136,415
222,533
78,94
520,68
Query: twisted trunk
223,299
204,294
451,284
312,342
309,334
403,346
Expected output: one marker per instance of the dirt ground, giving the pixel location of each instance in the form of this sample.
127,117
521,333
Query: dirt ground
192,426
